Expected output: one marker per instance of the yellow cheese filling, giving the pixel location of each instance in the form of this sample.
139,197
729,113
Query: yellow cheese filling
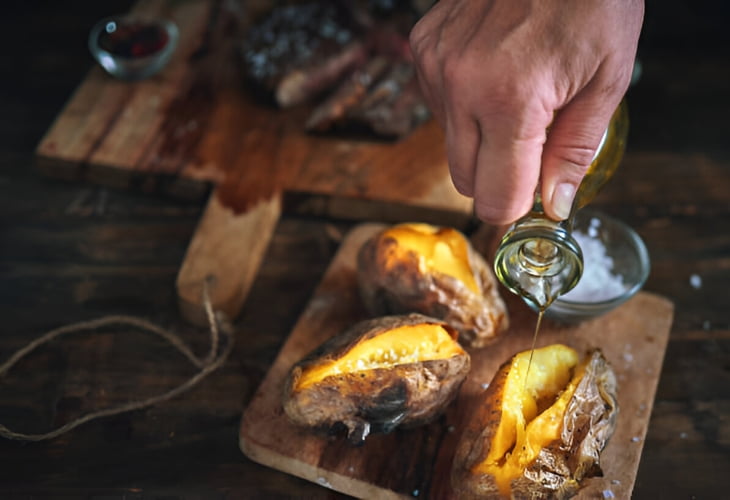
440,249
532,410
401,345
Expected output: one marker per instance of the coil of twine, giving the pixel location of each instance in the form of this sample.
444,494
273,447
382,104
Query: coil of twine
215,358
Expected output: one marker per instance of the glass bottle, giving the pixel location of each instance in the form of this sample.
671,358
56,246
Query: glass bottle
538,258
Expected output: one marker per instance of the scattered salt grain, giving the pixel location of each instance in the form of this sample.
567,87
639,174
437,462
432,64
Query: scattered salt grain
485,386
608,494
635,439
682,435
695,281
615,481
598,282
323,482
415,493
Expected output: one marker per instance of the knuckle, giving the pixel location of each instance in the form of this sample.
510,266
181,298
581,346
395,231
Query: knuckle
461,178
465,78
496,213
462,186
418,38
575,157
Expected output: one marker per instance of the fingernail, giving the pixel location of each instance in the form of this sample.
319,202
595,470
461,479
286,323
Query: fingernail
563,199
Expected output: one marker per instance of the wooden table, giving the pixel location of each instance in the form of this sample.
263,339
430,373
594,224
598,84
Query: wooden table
72,251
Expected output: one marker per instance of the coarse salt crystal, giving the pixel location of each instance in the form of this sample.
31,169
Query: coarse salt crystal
695,281
322,481
598,282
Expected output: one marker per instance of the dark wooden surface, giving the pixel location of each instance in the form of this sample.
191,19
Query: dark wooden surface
72,252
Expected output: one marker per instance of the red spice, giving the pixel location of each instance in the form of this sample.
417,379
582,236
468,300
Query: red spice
132,39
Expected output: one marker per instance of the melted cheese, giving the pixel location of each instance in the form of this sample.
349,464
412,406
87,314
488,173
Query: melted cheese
401,345
439,249
525,427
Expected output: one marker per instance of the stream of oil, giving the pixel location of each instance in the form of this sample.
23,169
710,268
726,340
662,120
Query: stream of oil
532,349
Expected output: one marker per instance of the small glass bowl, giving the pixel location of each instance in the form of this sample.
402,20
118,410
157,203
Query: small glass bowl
630,261
131,47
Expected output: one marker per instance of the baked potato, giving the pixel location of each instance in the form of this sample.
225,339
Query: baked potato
414,267
538,434
379,374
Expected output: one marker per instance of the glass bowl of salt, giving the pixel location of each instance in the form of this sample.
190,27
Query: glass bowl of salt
615,267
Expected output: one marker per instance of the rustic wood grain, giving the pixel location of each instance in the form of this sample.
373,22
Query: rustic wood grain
225,253
633,338
196,123
72,251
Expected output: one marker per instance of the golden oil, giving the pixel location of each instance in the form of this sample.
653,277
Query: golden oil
537,258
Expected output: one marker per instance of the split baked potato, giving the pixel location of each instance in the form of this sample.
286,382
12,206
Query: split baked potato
415,267
538,434
379,374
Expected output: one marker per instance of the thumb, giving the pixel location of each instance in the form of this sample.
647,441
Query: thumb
569,149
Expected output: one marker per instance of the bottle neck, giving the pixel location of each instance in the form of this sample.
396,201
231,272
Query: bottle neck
608,157
538,258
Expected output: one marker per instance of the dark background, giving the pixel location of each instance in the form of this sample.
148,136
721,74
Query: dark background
72,251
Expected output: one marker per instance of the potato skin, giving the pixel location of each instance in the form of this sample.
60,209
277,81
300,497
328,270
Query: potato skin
376,400
480,318
588,423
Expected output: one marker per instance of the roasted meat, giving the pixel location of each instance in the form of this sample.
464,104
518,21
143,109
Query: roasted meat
297,51
349,60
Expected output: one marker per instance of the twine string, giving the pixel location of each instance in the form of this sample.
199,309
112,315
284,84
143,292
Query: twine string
211,362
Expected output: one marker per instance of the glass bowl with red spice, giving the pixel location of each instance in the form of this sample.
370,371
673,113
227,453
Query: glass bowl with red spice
131,47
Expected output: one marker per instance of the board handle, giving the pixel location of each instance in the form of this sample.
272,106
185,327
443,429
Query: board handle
226,251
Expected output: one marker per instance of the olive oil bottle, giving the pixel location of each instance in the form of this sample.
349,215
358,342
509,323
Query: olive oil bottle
537,258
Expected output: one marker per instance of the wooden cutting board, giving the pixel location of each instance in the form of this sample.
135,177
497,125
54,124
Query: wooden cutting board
194,125
416,463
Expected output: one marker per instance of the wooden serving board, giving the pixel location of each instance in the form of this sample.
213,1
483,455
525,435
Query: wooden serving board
417,462
195,125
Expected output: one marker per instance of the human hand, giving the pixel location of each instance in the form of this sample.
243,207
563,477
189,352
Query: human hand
498,73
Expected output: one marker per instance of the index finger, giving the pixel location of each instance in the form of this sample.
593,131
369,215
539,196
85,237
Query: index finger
508,165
